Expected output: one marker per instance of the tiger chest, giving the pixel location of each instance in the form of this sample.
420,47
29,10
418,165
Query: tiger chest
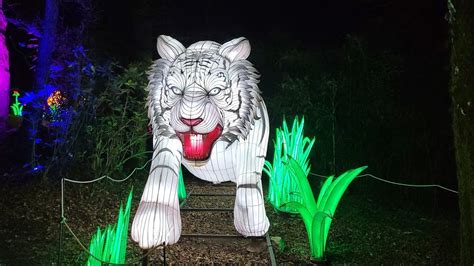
221,165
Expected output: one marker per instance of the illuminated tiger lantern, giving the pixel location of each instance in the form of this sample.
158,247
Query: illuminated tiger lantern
207,114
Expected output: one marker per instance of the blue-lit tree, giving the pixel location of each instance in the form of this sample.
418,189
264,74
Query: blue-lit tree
59,64
44,59
47,43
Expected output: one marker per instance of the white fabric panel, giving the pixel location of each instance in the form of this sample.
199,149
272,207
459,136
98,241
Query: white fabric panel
158,218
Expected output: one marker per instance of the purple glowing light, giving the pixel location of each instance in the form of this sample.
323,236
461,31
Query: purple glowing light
4,71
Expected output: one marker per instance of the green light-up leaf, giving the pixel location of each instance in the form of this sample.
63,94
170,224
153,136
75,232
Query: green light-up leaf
303,211
322,192
299,177
17,107
181,188
287,144
317,216
335,191
111,245
319,234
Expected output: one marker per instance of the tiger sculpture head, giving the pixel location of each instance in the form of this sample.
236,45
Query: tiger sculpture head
204,93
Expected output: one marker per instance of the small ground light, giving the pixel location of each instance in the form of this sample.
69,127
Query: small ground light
17,107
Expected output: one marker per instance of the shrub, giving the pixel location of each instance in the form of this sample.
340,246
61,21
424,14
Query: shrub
118,133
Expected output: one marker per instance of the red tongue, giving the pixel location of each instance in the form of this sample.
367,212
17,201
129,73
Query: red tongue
197,147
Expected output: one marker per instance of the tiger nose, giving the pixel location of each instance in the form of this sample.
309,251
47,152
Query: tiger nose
191,122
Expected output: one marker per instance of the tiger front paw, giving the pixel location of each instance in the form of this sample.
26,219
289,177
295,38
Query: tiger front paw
250,217
155,224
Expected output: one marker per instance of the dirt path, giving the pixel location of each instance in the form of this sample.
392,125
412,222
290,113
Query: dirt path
195,245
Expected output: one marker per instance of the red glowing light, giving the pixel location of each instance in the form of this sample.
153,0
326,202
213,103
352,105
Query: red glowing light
55,99
197,147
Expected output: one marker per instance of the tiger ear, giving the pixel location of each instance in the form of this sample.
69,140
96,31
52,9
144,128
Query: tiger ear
169,48
237,49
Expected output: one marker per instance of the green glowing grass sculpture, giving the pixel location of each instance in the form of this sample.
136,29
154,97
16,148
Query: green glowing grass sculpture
317,215
17,107
181,188
287,144
111,245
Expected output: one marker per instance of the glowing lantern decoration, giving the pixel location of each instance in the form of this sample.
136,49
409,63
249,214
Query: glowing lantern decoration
110,245
55,100
17,107
16,119
317,214
287,144
4,69
181,188
207,114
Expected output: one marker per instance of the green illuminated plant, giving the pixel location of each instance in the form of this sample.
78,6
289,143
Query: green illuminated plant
111,244
287,144
181,188
317,215
17,107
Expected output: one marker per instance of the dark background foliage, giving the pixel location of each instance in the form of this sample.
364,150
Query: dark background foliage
369,76
381,66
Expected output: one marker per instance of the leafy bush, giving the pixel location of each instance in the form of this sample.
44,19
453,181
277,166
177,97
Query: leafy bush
119,132
347,95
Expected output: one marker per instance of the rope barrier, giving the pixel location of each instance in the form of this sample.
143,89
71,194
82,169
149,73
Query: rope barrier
63,218
318,175
398,183
106,176
409,185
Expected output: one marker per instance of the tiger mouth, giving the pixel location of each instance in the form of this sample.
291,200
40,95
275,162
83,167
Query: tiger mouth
196,146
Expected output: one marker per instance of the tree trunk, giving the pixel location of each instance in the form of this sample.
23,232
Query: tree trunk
47,43
4,72
462,93
45,53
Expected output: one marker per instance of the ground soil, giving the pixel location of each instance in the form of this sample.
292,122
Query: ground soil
364,231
